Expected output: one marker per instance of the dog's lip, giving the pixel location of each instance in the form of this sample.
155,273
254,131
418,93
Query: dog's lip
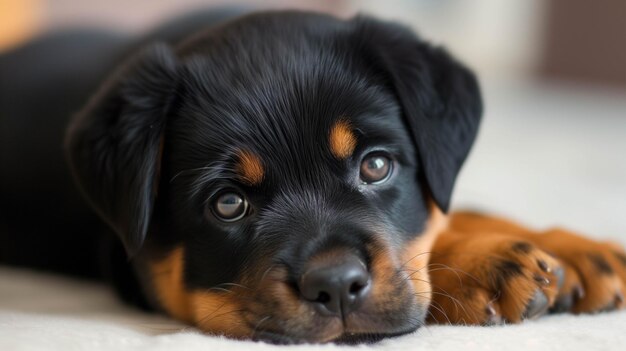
345,338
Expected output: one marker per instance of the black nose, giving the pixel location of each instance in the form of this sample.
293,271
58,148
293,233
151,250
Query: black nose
336,288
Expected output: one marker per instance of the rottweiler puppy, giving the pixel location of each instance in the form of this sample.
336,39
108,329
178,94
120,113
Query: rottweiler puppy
281,176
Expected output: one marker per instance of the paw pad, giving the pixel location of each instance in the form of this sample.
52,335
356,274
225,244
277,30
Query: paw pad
537,306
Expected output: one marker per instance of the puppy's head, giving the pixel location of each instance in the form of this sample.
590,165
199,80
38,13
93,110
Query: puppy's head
282,176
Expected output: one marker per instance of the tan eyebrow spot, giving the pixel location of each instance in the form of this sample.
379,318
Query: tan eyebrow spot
250,168
342,140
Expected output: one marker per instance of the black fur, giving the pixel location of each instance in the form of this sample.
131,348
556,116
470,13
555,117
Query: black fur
113,144
159,140
522,247
440,99
505,270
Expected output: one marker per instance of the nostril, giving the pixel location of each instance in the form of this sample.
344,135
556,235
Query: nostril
356,288
323,297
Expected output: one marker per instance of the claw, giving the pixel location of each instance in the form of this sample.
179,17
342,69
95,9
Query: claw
491,311
542,280
492,315
544,266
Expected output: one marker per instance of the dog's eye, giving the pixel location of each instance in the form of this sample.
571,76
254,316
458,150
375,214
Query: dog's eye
375,168
230,207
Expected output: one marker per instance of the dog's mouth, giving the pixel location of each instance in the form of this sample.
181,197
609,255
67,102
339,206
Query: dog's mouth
378,319
389,305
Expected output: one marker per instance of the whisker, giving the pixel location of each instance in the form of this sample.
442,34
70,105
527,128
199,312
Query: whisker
442,266
414,257
220,289
206,318
189,171
440,309
267,272
258,324
235,285
457,303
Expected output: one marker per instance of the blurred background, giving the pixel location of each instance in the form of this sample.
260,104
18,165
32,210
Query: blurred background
572,40
552,150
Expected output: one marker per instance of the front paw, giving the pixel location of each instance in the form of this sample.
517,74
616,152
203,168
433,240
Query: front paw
493,279
596,272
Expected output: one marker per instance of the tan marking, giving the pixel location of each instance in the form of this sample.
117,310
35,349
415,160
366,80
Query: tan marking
219,313
412,260
342,140
167,279
417,254
213,312
250,168
383,268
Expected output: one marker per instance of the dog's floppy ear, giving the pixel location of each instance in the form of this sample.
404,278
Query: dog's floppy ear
113,144
440,99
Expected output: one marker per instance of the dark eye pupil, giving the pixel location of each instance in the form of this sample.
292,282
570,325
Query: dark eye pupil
375,169
230,206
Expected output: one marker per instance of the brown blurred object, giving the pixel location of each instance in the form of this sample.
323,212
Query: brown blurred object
19,20
140,15
585,42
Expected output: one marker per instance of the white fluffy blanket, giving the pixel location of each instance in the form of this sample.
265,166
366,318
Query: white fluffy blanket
42,312
544,156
